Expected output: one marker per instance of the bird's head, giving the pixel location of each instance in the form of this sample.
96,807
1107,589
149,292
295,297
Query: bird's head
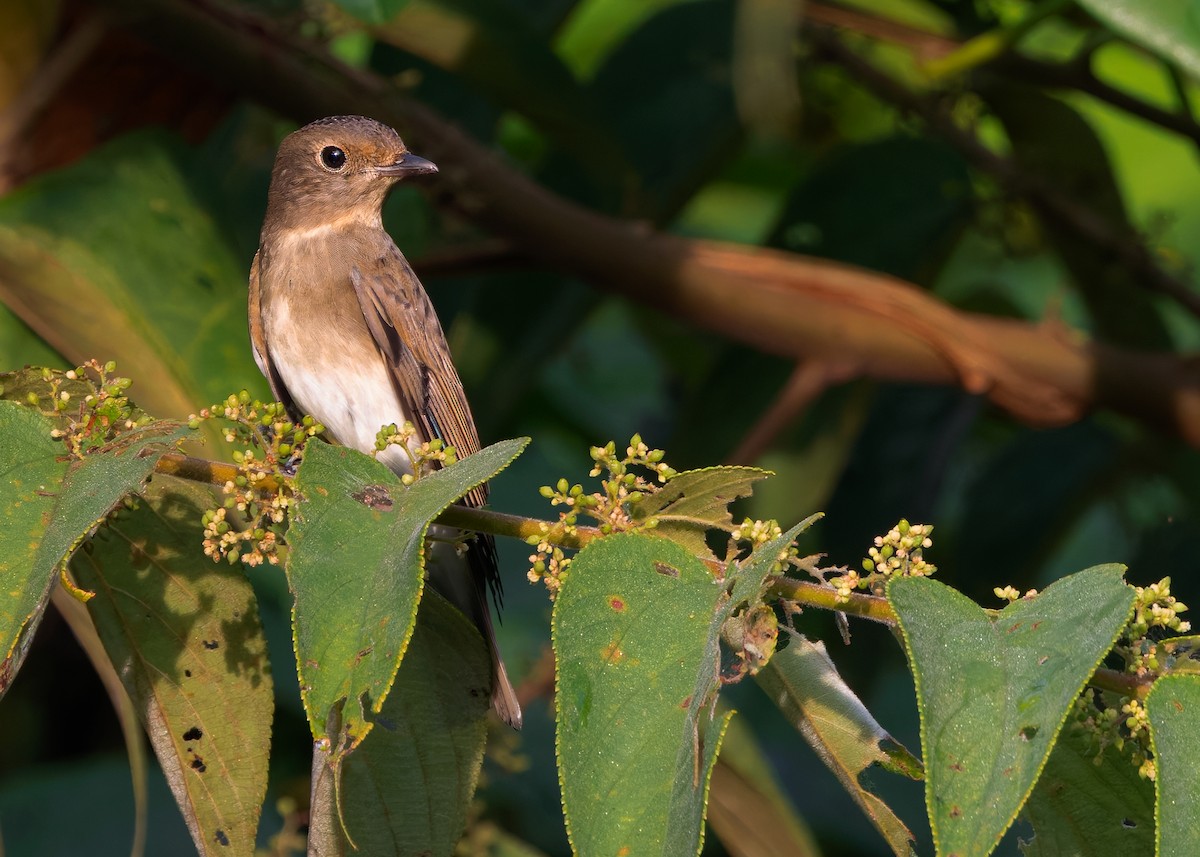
338,167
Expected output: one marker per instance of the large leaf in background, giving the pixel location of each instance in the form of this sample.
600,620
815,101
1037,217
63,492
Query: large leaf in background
356,568
407,788
1087,807
1054,144
1169,28
112,258
994,690
1174,710
635,664
20,346
184,634
49,502
805,684
673,110
893,205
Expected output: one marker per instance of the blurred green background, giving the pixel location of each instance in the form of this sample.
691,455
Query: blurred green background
134,179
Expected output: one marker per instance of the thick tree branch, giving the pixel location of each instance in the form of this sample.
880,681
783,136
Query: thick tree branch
782,303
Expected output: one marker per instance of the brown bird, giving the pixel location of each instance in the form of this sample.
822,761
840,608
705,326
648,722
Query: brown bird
344,331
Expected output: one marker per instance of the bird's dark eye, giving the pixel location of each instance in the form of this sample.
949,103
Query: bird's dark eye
333,158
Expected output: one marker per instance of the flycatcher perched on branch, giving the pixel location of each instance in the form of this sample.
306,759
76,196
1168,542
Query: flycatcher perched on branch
344,331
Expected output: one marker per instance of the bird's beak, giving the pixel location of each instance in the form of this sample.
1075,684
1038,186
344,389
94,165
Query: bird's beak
408,165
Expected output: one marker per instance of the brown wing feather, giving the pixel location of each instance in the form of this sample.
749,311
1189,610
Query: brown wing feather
258,341
408,334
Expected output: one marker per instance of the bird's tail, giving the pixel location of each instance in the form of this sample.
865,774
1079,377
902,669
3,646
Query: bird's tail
464,584
504,695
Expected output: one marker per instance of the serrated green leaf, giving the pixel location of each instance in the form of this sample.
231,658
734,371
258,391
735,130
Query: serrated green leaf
31,474
407,788
1169,28
695,501
814,698
185,637
636,662
1174,709
1087,808
994,689
356,569
50,502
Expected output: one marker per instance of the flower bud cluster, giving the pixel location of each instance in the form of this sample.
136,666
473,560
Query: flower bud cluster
1011,593
248,526
1117,722
91,404
899,552
1120,721
423,457
622,487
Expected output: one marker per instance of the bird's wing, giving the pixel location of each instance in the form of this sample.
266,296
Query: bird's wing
258,341
408,334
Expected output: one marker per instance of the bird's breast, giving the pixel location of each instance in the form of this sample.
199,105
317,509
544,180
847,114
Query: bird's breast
319,342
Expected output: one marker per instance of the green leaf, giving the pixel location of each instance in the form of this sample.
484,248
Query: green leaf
356,569
814,698
185,637
30,476
695,501
1081,807
407,788
20,346
50,502
1169,28
1174,709
636,664
994,690
112,258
